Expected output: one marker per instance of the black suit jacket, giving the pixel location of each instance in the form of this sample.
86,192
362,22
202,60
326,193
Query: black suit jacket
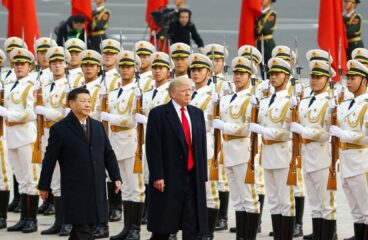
167,154
82,163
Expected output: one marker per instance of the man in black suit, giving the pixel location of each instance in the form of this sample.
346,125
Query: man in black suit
81,147
177,161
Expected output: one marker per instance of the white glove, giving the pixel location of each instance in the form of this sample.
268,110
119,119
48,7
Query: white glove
37,85
215,98
103,91
294,102
105,116
3,112
226,87
137,92
264,86
298,89
254,100
140,118
255,127
218,124
40,110
296,128
67,111
339,89
66,88
338,132
332,104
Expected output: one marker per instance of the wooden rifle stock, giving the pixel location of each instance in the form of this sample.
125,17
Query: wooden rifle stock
1,118
138,168
295,156
249,176
214,171
37,151
105,108
331,184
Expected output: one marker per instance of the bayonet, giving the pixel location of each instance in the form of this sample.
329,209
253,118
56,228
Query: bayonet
264,67
172,68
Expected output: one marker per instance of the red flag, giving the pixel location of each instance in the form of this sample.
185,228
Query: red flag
83,7
22,15
250,11
153,5
331,29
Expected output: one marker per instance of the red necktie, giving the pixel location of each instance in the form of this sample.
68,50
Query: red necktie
186,128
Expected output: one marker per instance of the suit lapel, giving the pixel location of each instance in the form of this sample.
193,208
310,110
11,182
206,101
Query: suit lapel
193,123
175,123
75,127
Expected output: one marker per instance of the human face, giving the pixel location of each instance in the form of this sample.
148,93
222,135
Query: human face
145,61
199,75
349,5
182,93
41,58
356,84
78,26
241,80
81,106
278,79
109,59
22,69
184,18
179,3
266,3
57,68
181,65
160,73
99,2
90,72
126,72
75,60
219,65
318,83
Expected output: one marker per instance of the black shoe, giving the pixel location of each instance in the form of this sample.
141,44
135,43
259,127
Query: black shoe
240,218
145,212
359,229
17,209
261,204
135,220
287,227
56,227
251,226
16,199
299,213
350,238
173,236
232,230
50,210
212,215
18,227
65,230
134,232
31,224
102,231
115,215
317,230
44,206
127,206
328,230
221,223
4,201
276,226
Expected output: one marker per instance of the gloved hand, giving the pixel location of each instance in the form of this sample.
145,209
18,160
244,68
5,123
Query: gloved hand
338,132
140,118
66,88
332,104
105,116
254,100
137,92
339,89
298,89
215,98
255,127
37,85
296,128
4,112
264,86
294,101
218,124
40,110
103,91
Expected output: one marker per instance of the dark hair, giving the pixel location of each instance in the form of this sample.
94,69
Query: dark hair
185,10
78,18
73,94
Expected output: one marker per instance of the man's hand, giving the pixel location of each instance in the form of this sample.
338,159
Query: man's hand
44,194
117,186
159,185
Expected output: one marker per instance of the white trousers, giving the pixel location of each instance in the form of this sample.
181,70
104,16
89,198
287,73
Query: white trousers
244,195
356,192
299,188
280,196
222,183
259,175
212,196
133,183
25,171
321,200
5,170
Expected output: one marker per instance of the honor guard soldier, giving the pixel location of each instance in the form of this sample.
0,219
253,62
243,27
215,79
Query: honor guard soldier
289,56
275,151
53,110
98,26
180,53
264,28
352,118
220,54
5,172
41,46
234,124
91,65
144,50
75,47
10,44
110,50
200,70
313,127
21,132
353,25
123,139
361,55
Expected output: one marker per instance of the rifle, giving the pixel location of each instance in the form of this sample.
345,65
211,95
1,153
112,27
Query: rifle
214,171
155,39
342,94
331,184
299,76
264,68
104,101
37,150
295,156
249,176
172,68
226,69
140,128
1,104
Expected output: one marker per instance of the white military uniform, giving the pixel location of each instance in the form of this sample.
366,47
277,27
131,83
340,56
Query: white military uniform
76,77
202,100
94,89
146,81
112,80
21,132
45,76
